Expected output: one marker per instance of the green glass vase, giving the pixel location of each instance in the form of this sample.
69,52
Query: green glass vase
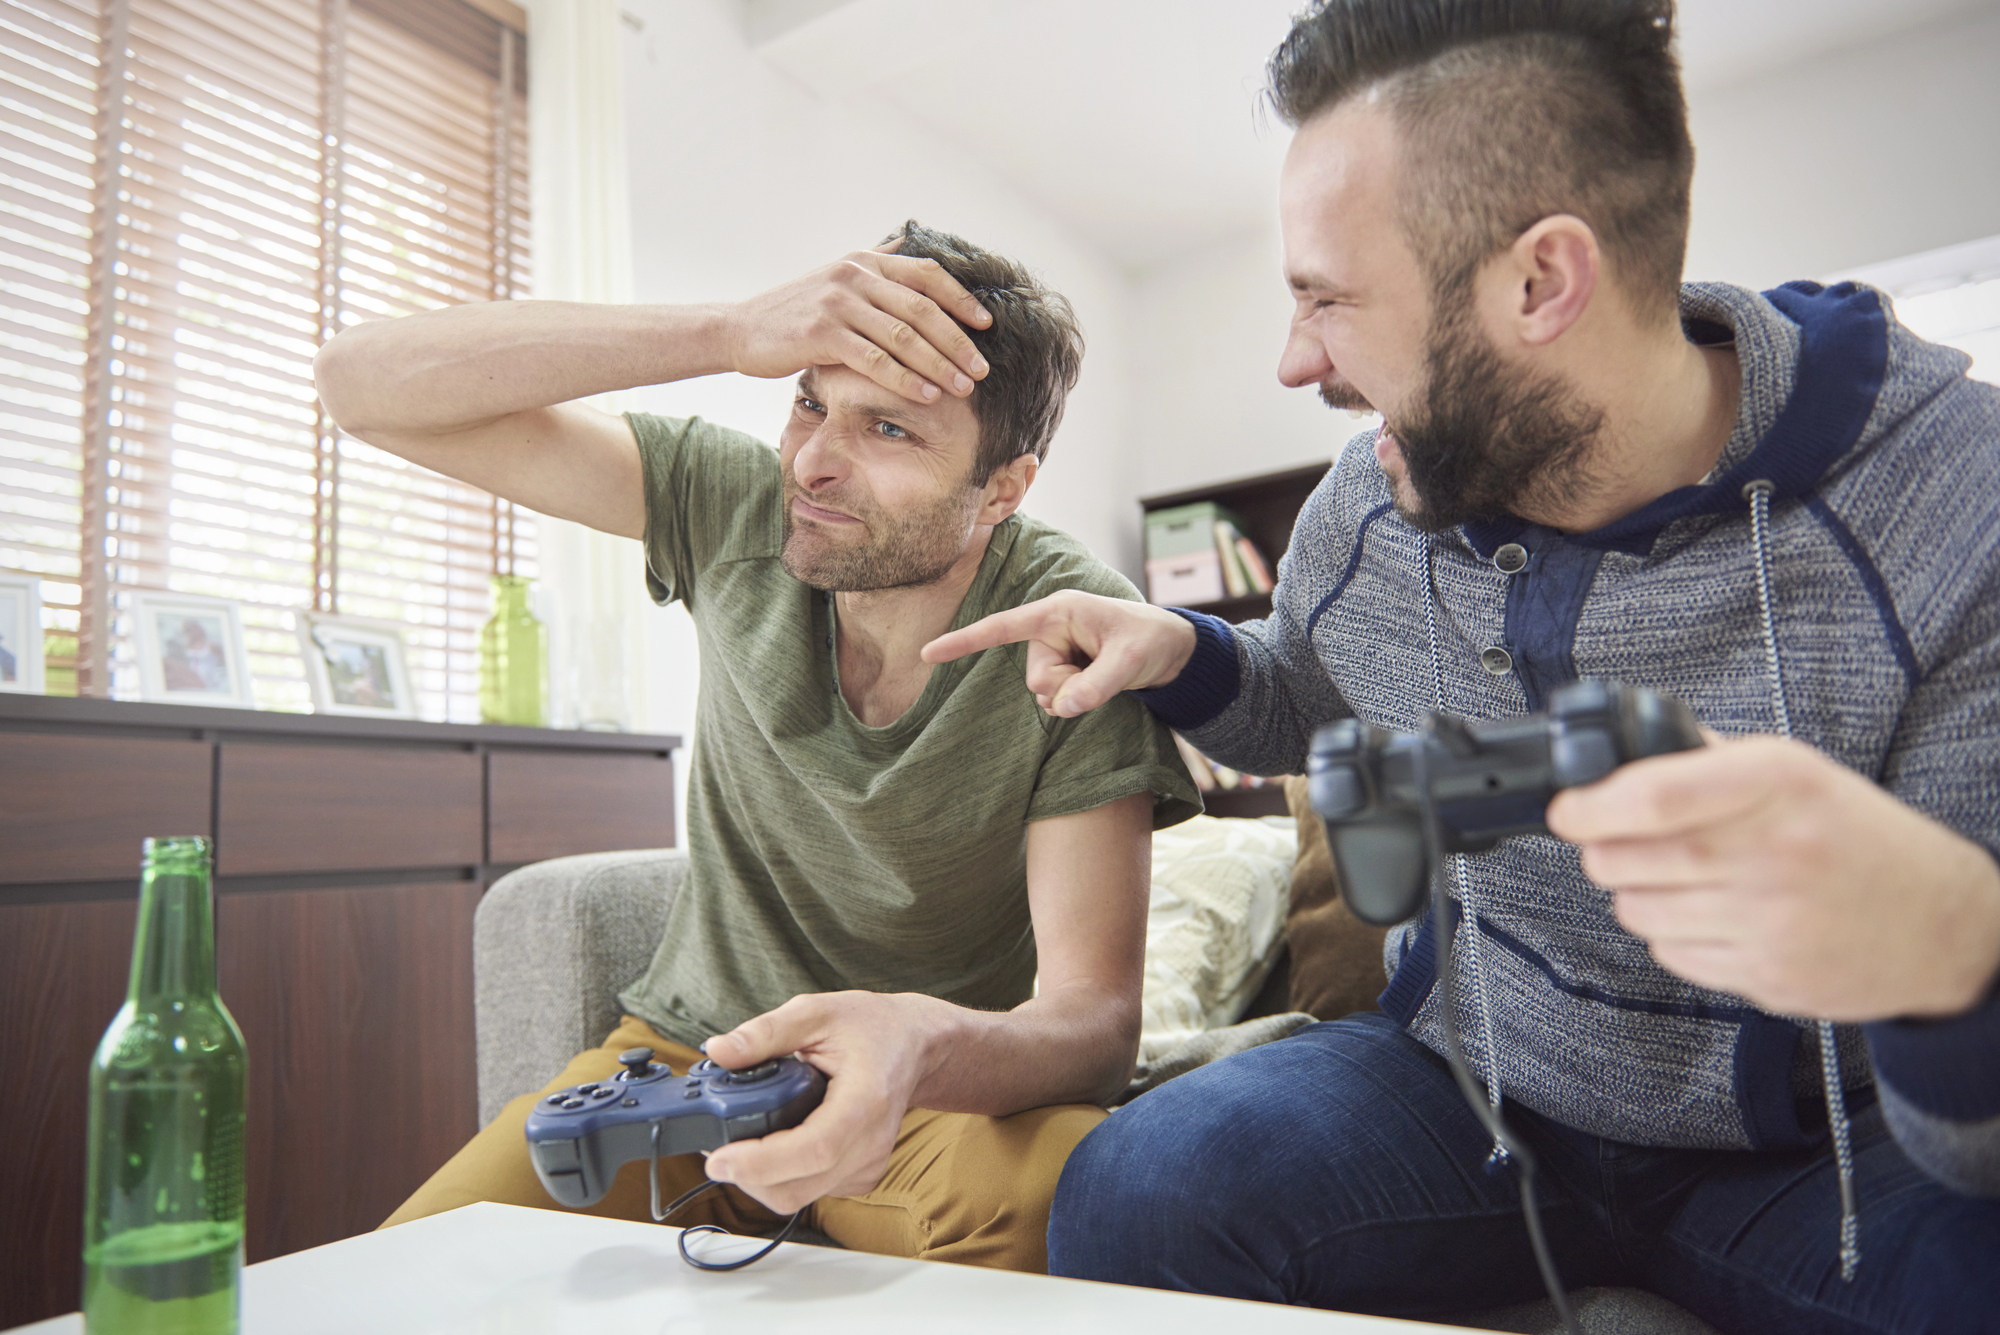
163,1205
513,659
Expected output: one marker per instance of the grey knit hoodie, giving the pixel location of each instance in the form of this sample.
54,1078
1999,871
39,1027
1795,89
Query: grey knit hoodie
1882,548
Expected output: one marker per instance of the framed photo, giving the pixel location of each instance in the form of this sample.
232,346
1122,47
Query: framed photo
21,634
356,667
191,651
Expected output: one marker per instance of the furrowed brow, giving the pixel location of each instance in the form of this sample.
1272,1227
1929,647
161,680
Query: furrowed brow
1303,281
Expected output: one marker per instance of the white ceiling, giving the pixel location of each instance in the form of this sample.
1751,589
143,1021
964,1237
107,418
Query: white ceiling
1137,122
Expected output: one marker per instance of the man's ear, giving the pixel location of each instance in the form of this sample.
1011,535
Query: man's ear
1542,284
1005,489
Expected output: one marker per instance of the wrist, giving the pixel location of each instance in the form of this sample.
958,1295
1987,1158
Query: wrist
1985,968
689,341
932,1031
1970,970
1185,642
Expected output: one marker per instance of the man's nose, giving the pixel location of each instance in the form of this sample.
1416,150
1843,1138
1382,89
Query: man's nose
822,460
1304,361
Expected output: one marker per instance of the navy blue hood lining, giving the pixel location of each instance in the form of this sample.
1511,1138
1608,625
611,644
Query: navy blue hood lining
1843,357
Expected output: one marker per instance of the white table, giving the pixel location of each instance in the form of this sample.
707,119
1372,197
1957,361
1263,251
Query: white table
505,1270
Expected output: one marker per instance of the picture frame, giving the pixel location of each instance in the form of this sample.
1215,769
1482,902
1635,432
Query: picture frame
356,667
21,634
191,650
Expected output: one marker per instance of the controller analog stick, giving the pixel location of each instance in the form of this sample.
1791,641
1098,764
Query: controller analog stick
638,1062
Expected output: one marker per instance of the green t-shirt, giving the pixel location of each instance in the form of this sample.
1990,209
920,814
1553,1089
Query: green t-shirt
825,854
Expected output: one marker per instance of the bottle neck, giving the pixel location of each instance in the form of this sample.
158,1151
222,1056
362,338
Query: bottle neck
510,596
174,952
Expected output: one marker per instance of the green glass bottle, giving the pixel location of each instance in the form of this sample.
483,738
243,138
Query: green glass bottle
163,1205
513,658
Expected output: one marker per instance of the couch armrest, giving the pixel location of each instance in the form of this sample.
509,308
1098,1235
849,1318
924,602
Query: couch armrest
552,944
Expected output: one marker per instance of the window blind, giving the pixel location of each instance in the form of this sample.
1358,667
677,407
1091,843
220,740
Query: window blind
194,195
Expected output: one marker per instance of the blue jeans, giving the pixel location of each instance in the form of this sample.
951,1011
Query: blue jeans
1340,1168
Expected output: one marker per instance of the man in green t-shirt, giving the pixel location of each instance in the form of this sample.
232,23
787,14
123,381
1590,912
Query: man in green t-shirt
884,855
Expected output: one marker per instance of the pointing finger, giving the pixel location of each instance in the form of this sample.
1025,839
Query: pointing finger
1009,627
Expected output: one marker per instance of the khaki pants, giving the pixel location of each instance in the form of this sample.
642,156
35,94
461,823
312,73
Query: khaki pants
959,1187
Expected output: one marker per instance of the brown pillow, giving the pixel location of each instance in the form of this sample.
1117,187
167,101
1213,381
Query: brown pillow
1336,959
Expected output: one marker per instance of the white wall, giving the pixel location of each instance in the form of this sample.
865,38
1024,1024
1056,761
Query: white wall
1850,158
742,179
1843,159
1207,404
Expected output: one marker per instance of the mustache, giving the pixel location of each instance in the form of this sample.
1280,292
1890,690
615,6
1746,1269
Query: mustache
1344,396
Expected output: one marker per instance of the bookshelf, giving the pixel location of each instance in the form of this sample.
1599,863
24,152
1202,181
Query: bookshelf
1266,504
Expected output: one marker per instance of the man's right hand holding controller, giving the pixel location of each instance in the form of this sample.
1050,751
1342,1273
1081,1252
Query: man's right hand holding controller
1755,865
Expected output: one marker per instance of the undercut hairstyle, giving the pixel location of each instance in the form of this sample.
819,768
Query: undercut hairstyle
1509,111
1033,348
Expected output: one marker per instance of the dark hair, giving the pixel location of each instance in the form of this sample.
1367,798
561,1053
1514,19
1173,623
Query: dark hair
1033,347
1510,111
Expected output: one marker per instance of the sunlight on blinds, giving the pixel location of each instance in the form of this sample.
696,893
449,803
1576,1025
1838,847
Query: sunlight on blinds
193,197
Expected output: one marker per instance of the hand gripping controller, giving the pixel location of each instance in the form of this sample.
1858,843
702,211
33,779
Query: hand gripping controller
579,1138
1484,781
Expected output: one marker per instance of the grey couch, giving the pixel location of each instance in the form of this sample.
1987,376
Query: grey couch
554,942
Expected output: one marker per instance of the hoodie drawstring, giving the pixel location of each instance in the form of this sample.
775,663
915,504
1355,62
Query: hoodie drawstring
1759,495
1476,957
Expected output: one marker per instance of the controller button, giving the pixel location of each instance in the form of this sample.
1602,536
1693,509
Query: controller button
556,1156
1511,559
572,1103
555,1099
628,1103
603,1093
691,1092
1496,660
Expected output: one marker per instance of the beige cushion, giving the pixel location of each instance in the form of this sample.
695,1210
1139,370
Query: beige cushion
1220,888
1336,966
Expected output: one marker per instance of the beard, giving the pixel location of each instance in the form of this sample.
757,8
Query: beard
900,551
1487,438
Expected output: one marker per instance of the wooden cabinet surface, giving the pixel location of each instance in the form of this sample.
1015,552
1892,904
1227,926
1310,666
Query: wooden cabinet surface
351,856
282,807
75,808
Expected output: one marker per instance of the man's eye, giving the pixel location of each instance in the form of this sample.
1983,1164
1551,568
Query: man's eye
892,431
806,405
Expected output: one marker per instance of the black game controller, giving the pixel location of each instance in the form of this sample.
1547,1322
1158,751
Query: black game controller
1482,781
580,1138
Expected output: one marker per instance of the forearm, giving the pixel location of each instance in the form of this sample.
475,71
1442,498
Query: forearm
1077,1044
445,371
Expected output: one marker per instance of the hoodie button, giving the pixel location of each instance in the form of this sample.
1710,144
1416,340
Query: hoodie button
1511,559
1496,660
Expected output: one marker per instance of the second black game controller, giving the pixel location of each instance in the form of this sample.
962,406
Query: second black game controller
1482,782
578,1138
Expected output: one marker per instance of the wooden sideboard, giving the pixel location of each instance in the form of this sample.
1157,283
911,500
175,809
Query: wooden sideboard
350,855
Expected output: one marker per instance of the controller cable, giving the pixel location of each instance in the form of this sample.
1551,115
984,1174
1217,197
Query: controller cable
661,1216
1489,1117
